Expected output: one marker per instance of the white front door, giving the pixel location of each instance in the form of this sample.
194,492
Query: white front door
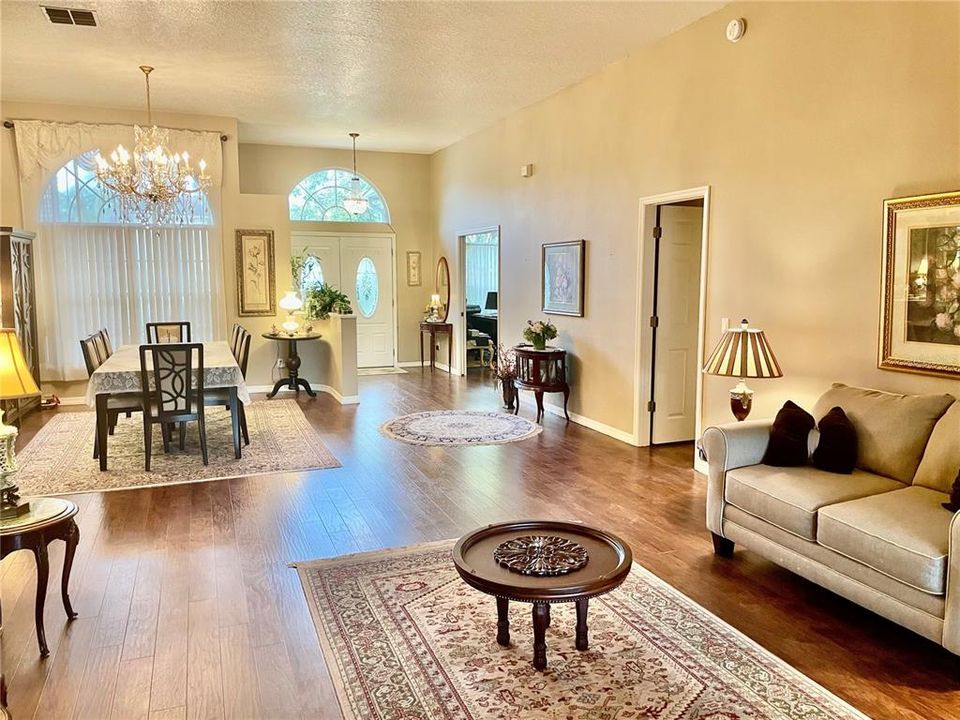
678,292
366,277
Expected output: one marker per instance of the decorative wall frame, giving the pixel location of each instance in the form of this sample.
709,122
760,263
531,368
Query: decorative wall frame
562,278
920,309
256,273
414,267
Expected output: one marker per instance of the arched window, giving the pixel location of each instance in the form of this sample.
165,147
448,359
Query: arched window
74,195
319,198
97,271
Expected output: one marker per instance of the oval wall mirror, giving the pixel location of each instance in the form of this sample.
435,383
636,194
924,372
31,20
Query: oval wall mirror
443,286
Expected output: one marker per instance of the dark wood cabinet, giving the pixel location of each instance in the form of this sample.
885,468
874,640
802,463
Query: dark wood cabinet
542,371
18,307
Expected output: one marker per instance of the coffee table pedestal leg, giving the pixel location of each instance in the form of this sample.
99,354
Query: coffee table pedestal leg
582,643
541,618
503,622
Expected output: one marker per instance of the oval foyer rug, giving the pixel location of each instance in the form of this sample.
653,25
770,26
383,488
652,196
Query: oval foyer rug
459,427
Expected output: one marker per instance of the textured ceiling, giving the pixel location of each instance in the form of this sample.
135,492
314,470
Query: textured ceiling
408,76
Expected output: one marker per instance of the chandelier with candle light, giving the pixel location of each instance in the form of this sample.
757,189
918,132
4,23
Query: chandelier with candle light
151,185
355,203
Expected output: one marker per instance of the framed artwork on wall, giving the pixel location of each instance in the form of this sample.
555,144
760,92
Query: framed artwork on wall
920,313
256,273
561,278
413,268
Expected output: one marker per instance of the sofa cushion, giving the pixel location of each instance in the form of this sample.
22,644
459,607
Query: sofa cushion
790,497
904,534
892,430
941,458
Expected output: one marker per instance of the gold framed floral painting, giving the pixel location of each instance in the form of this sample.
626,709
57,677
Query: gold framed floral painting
920,315
256,278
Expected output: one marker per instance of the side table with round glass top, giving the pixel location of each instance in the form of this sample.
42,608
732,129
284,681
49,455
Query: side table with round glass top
48,519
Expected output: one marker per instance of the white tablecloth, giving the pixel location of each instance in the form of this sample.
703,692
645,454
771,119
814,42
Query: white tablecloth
121,372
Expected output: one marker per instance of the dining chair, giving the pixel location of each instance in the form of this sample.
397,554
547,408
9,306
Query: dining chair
92,349
168,332
221,395
235,336
103,343
176,393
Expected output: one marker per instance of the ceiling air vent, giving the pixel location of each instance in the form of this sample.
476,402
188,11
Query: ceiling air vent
69,16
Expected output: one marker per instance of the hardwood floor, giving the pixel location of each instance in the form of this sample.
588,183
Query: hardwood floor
188,608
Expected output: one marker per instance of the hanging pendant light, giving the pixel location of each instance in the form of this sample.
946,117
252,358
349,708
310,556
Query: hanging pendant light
152,185
355,203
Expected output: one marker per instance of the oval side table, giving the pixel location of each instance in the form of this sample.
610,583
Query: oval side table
541,371
48,519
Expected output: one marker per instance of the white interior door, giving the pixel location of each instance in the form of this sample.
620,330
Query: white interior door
678,289
366,273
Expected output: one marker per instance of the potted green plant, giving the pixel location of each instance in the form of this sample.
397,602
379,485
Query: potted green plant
539,332
321,300
504,366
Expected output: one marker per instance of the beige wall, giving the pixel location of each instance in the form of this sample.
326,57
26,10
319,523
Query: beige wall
265,174
402,178
801,130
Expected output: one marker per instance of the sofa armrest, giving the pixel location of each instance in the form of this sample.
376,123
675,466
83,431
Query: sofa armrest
951,611
728,447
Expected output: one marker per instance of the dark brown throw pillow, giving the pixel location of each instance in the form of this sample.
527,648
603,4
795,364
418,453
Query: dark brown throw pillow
837,449
954,504
788,437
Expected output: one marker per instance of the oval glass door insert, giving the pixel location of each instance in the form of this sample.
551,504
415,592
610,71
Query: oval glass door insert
368,287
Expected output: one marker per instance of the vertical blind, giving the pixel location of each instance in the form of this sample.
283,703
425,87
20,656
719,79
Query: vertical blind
481,266
118,276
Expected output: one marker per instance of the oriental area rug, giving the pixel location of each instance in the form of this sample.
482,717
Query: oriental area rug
459,427
404,637
59,458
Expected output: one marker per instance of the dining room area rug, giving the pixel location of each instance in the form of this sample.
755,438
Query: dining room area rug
404,636
59,459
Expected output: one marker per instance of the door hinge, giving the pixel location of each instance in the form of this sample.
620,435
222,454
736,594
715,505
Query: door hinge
654,321
657,232
651,406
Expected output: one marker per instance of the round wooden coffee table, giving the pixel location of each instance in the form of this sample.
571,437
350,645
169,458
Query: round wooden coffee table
554,545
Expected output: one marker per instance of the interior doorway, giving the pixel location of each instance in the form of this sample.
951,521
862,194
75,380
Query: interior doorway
361,266
480,329
670,328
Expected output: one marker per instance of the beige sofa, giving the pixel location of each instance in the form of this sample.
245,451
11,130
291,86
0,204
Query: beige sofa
879,537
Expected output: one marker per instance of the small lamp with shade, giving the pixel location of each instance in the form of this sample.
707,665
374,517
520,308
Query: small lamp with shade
290,302
743,352
16,382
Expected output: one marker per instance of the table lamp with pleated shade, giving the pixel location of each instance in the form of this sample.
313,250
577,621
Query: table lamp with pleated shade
16,382
743,352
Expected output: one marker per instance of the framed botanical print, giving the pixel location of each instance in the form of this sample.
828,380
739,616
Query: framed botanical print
256,280
920,315
561,280
413,268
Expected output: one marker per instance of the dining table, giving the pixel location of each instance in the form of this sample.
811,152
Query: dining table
120,373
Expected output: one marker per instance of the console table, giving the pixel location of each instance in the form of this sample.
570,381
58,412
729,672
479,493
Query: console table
541,371
433,329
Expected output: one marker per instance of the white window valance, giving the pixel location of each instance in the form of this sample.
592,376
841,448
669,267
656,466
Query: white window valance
43,147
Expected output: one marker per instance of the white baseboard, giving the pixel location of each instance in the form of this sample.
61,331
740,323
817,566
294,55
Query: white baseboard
701,466
426,363
75,400
342,399
600,427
